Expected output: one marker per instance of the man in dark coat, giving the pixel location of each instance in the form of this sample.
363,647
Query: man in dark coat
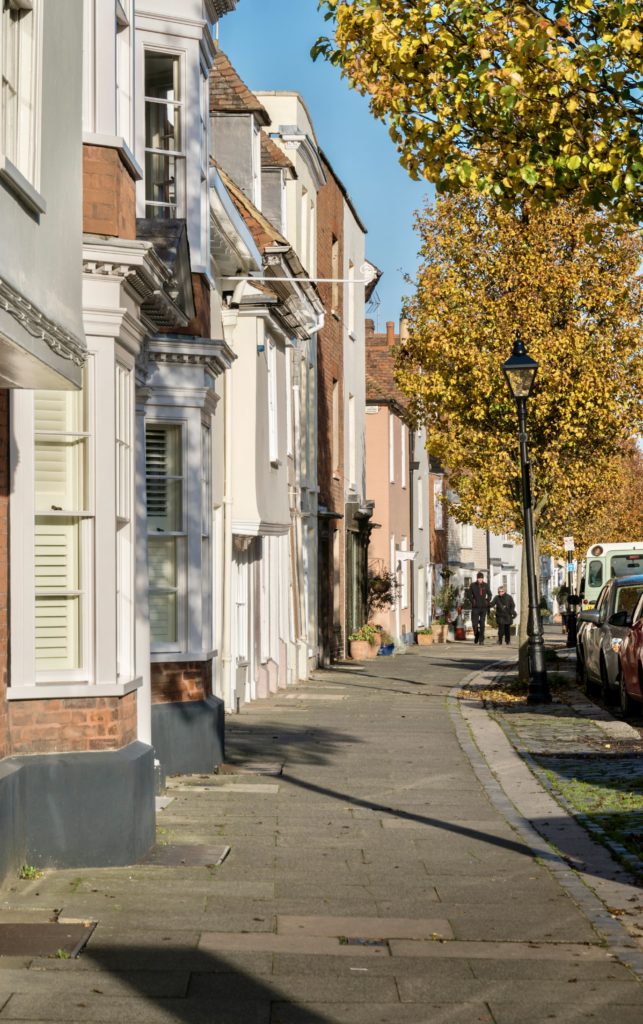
480,598
505,613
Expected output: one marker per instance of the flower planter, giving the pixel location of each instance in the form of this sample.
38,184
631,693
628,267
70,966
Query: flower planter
386,649
424,639
361,650
440,633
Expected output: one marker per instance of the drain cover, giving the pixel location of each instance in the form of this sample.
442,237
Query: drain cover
186,856
363,942
43,939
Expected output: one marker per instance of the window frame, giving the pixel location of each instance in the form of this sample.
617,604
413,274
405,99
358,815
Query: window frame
179,207
22,172
180,538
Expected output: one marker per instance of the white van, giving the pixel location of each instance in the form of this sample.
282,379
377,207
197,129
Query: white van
605,562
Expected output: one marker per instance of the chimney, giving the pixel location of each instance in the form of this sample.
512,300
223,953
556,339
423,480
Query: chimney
390,333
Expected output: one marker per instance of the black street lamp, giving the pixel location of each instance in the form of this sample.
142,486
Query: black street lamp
520,371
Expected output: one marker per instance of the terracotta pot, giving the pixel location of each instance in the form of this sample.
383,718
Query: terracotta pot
360,650
424,639
440,633
373,649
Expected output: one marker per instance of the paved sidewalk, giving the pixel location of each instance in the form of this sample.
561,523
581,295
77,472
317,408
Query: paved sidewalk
377,872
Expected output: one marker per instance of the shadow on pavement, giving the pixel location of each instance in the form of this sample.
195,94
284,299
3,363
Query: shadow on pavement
396,812
191,986
276,741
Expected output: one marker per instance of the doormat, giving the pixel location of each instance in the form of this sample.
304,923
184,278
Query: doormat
188,855
51,939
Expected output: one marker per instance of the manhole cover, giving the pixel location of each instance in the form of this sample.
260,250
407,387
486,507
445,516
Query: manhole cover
186,856
44,939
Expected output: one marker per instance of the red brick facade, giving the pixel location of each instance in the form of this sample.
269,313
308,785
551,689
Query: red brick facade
72,724
330,371
180,681
199,325
109,194
4,570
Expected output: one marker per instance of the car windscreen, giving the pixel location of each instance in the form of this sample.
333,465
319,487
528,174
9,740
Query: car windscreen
626,565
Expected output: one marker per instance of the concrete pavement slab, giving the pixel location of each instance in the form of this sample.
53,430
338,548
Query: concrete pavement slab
383,1013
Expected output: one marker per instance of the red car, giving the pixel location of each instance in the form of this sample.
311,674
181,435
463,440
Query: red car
631,664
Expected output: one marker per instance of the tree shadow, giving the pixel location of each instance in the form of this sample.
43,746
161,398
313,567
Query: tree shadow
188,985
274,741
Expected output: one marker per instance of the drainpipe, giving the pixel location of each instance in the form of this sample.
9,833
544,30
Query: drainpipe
229,319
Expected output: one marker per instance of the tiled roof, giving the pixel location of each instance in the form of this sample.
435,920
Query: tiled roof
229,94
272,155
264,234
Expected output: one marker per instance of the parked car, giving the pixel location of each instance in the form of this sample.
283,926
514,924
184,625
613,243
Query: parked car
600,629
630,654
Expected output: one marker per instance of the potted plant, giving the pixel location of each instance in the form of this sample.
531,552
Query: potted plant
440,629
364,643
387,643
381,590
424,636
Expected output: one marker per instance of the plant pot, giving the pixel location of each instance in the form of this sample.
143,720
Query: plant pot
386,649
359,649
424,639
440,633
373,649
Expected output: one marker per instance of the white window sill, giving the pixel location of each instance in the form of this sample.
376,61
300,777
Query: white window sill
45,691
160,656
28,195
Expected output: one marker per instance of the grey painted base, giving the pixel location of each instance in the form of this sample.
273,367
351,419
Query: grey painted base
77,810
189,737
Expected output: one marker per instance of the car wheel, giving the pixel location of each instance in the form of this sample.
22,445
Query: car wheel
607,693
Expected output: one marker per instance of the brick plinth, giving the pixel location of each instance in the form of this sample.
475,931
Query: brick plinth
109,194
72,724
4,566
174,682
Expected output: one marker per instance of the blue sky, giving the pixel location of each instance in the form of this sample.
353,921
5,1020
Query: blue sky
269,42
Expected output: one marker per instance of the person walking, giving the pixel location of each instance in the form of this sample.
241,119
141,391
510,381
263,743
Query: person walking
480,598
505,613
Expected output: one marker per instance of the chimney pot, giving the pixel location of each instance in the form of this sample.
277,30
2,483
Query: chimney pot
390,332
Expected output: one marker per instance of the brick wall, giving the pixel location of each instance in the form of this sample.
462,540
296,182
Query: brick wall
330,368
109,194
174,682
199,325
72,724
4,569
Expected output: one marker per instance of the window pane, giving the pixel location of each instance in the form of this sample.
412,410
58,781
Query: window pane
60,474
595,574
162,76
163,574
57,554
162,126
162,562
163,458
160,179
163,619
57,636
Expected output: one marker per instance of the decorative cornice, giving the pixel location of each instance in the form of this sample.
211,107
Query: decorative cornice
139,266
39,326
212,354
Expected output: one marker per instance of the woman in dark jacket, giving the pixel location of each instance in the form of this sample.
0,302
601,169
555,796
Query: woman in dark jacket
505,609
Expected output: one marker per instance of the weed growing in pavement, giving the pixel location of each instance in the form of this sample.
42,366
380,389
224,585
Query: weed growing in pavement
61,954
28,872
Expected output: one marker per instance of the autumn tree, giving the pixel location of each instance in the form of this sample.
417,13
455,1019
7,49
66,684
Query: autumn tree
568,279
523,99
